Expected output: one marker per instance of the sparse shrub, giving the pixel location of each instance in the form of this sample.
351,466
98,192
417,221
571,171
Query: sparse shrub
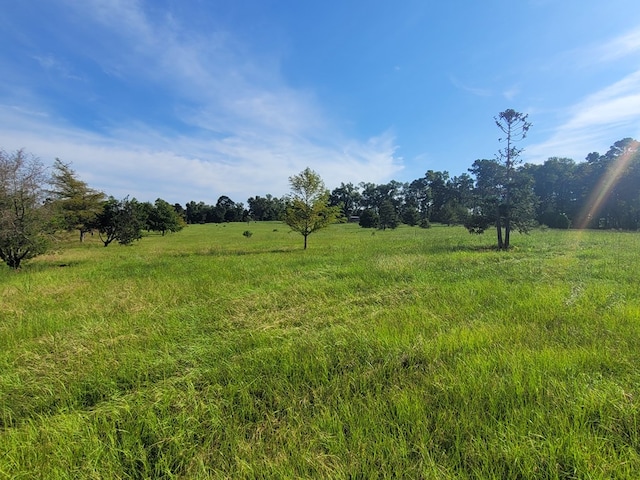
247,233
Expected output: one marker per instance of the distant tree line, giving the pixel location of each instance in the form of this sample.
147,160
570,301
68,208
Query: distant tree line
602,192
267,208
34,206
501,193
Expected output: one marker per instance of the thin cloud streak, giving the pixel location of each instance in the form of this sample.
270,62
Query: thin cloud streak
196,169
239,129
595,123
622,46
479,92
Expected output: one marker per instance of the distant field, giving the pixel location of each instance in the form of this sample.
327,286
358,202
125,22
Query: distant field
409,353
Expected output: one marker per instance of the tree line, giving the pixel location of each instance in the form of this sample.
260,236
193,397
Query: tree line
601,192
501,193
34,206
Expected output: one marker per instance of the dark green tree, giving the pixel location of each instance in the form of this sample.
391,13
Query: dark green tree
24,218
610,184
417,195
308,210
121,220
490,207
226,210
554,186
437,183
369,218
163,218
410,215
388,217
347,197
504,194
267,208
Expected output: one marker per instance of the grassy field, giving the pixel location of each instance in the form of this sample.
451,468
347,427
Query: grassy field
400,354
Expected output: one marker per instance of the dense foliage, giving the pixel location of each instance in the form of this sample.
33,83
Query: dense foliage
308,210
121,220
24,217
75,203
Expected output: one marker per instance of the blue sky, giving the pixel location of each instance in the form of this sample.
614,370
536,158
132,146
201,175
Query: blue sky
194,99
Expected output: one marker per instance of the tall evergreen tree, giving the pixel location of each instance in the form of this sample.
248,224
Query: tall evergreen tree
504,194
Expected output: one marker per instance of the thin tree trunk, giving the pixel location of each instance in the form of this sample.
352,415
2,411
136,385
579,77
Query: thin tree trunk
507,232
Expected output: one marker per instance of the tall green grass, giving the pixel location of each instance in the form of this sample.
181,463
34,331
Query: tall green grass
408,353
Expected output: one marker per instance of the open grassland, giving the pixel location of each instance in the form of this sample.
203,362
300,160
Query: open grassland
408,353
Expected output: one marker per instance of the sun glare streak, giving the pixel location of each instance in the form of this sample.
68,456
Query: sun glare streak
606,184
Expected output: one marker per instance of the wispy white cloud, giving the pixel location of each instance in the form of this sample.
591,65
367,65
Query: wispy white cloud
619,47
478,91
511,93
595,122
56,66
146,164
248,130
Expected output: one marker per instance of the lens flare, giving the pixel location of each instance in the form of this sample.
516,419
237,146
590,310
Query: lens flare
606,184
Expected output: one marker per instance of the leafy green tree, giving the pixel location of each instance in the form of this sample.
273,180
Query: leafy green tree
489,175
164,218
410,215
418,196
196,212
266,208
120,220
554,183
24,219
308,210
347,198
453,213
610,189
437,182
75,203
226,210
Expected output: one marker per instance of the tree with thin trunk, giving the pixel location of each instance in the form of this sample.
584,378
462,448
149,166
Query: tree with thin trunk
24,217
308,210
503,194
120,220
515,126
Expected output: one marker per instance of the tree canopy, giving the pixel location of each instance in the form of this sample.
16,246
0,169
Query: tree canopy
76,204
504,195
120,220
24,217
308,210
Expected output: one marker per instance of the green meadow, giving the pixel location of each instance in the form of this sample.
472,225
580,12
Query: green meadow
407,353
